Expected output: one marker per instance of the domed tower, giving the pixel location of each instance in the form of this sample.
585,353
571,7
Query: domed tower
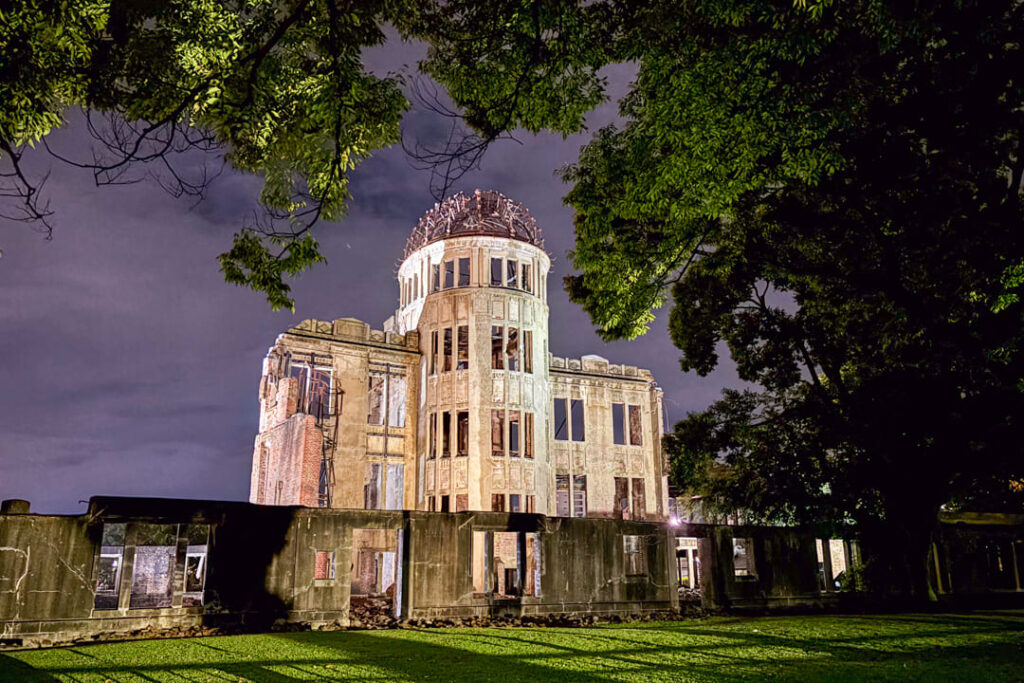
473,284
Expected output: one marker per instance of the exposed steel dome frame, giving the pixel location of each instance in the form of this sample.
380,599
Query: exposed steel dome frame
485,212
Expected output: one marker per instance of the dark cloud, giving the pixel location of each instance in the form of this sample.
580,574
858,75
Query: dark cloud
131,368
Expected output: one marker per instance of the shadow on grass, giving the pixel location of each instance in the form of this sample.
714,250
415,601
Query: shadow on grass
679,651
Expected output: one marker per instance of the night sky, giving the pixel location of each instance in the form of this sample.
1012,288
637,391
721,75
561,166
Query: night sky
131,368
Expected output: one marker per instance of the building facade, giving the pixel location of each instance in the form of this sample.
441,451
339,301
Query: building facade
457,404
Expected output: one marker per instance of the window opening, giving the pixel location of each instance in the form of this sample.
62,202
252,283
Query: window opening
527,279
108,567
619,424
462,426
639,499
446,434
444,503
635,431
497,502
495,272
433,352
371,487
512,349
528,435
561,420
511,272
531,503
435,284
578,429
532,583
622,497
562,495
449,274
447,349
513,502
156,547
195,564
432,446
579,495
497,433
461,502
633,551
463,359
463,272
323,565
527,350
513,433
496,348
743,557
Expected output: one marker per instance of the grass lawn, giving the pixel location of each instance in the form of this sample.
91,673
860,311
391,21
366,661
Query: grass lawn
977,647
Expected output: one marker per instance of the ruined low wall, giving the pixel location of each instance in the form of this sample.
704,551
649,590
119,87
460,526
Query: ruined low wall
137,567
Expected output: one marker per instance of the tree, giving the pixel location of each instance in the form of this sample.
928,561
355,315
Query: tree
833,190
277,87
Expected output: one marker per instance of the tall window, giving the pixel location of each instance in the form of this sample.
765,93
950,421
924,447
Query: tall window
527,435
512,349
446,434
497,352
449,274
513,502
314,389
108,569
462,441
378,380
432,446
527,351
639,499
635,431
579,495
433,352
578,429
495,272
633,551
562,495
463,272
435,277
561,420
511,273
447,349
497,433
513,433
621,509
463,359
743,557
497,502
527,279
619,424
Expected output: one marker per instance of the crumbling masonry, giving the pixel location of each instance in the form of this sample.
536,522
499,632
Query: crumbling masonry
457,405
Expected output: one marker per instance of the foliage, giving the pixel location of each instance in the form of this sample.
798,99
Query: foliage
833,191
280,85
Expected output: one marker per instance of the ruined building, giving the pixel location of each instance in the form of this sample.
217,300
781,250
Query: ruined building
457,405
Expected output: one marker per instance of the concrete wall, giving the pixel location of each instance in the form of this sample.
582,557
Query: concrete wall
262,562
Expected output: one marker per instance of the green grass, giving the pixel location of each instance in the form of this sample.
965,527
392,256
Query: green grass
977,647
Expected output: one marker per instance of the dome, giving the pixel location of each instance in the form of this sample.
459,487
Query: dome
485,212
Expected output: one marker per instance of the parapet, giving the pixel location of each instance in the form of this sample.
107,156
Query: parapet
353,330
596,365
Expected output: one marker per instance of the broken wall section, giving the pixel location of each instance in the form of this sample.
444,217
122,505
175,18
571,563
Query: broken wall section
329,435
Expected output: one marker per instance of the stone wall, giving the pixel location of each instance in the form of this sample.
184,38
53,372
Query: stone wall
187,567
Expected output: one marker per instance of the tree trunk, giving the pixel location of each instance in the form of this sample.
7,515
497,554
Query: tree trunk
895,554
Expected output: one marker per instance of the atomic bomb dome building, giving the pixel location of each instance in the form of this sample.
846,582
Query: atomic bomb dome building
457,404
